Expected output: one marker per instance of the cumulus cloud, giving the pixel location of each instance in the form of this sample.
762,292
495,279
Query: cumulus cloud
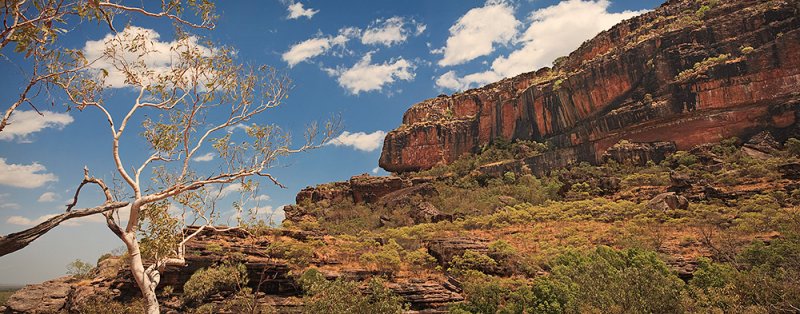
376,170
477,32
362,141
394,30
554,31
296,11
47,197
205,157
228,189
262,198
24,176
157,56
317,46
23,221
23,123
366,76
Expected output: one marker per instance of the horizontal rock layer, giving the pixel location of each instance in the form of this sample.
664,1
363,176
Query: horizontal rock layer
630,82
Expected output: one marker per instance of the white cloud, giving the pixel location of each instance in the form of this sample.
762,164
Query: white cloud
262,198
317,46
365,76
451,81
228,189
24,176
206,157
155,58
376,170
360,140
477,31
233,128
394,30
296,11
554,31
22,221
47,197
23,123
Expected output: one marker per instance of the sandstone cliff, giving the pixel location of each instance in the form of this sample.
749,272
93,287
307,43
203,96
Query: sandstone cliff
676,74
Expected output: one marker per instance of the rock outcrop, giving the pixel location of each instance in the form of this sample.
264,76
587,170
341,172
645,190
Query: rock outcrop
670,75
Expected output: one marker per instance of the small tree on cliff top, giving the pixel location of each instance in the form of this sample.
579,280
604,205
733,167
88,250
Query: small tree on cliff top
187,108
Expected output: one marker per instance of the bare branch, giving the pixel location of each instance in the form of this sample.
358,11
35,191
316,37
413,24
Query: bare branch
18,240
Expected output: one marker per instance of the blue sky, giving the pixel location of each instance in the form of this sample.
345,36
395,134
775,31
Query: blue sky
366,61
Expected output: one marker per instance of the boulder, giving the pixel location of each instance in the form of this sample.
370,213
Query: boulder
679,180
425,212
668,201
296,213
763,142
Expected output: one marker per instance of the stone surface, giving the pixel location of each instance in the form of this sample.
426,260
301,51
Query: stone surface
359,189
639,154
425,212
668,201
445,249
624,84
426,295
47,297
790,170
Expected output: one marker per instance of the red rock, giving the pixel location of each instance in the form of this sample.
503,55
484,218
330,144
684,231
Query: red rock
622,85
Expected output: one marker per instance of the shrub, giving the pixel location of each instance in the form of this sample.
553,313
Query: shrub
297,254
472,260
793,146
387,258
339,296
79,269
420,258
609,280
488,294
208,281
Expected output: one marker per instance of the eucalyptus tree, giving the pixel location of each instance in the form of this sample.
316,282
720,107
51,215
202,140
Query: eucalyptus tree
188,107
32,28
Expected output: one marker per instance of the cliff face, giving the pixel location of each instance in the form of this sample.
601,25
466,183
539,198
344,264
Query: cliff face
676,74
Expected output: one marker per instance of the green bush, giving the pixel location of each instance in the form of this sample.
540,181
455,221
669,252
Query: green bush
793,146
386,258
489,294
79,269
420,258
472,260
297,254
608,280
339,296
208,281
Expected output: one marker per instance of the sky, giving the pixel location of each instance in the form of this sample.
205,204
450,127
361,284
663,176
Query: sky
366,62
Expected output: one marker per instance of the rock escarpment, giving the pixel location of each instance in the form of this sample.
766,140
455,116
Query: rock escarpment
677,74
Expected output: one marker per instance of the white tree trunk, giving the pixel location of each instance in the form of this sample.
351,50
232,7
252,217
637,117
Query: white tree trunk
147,280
